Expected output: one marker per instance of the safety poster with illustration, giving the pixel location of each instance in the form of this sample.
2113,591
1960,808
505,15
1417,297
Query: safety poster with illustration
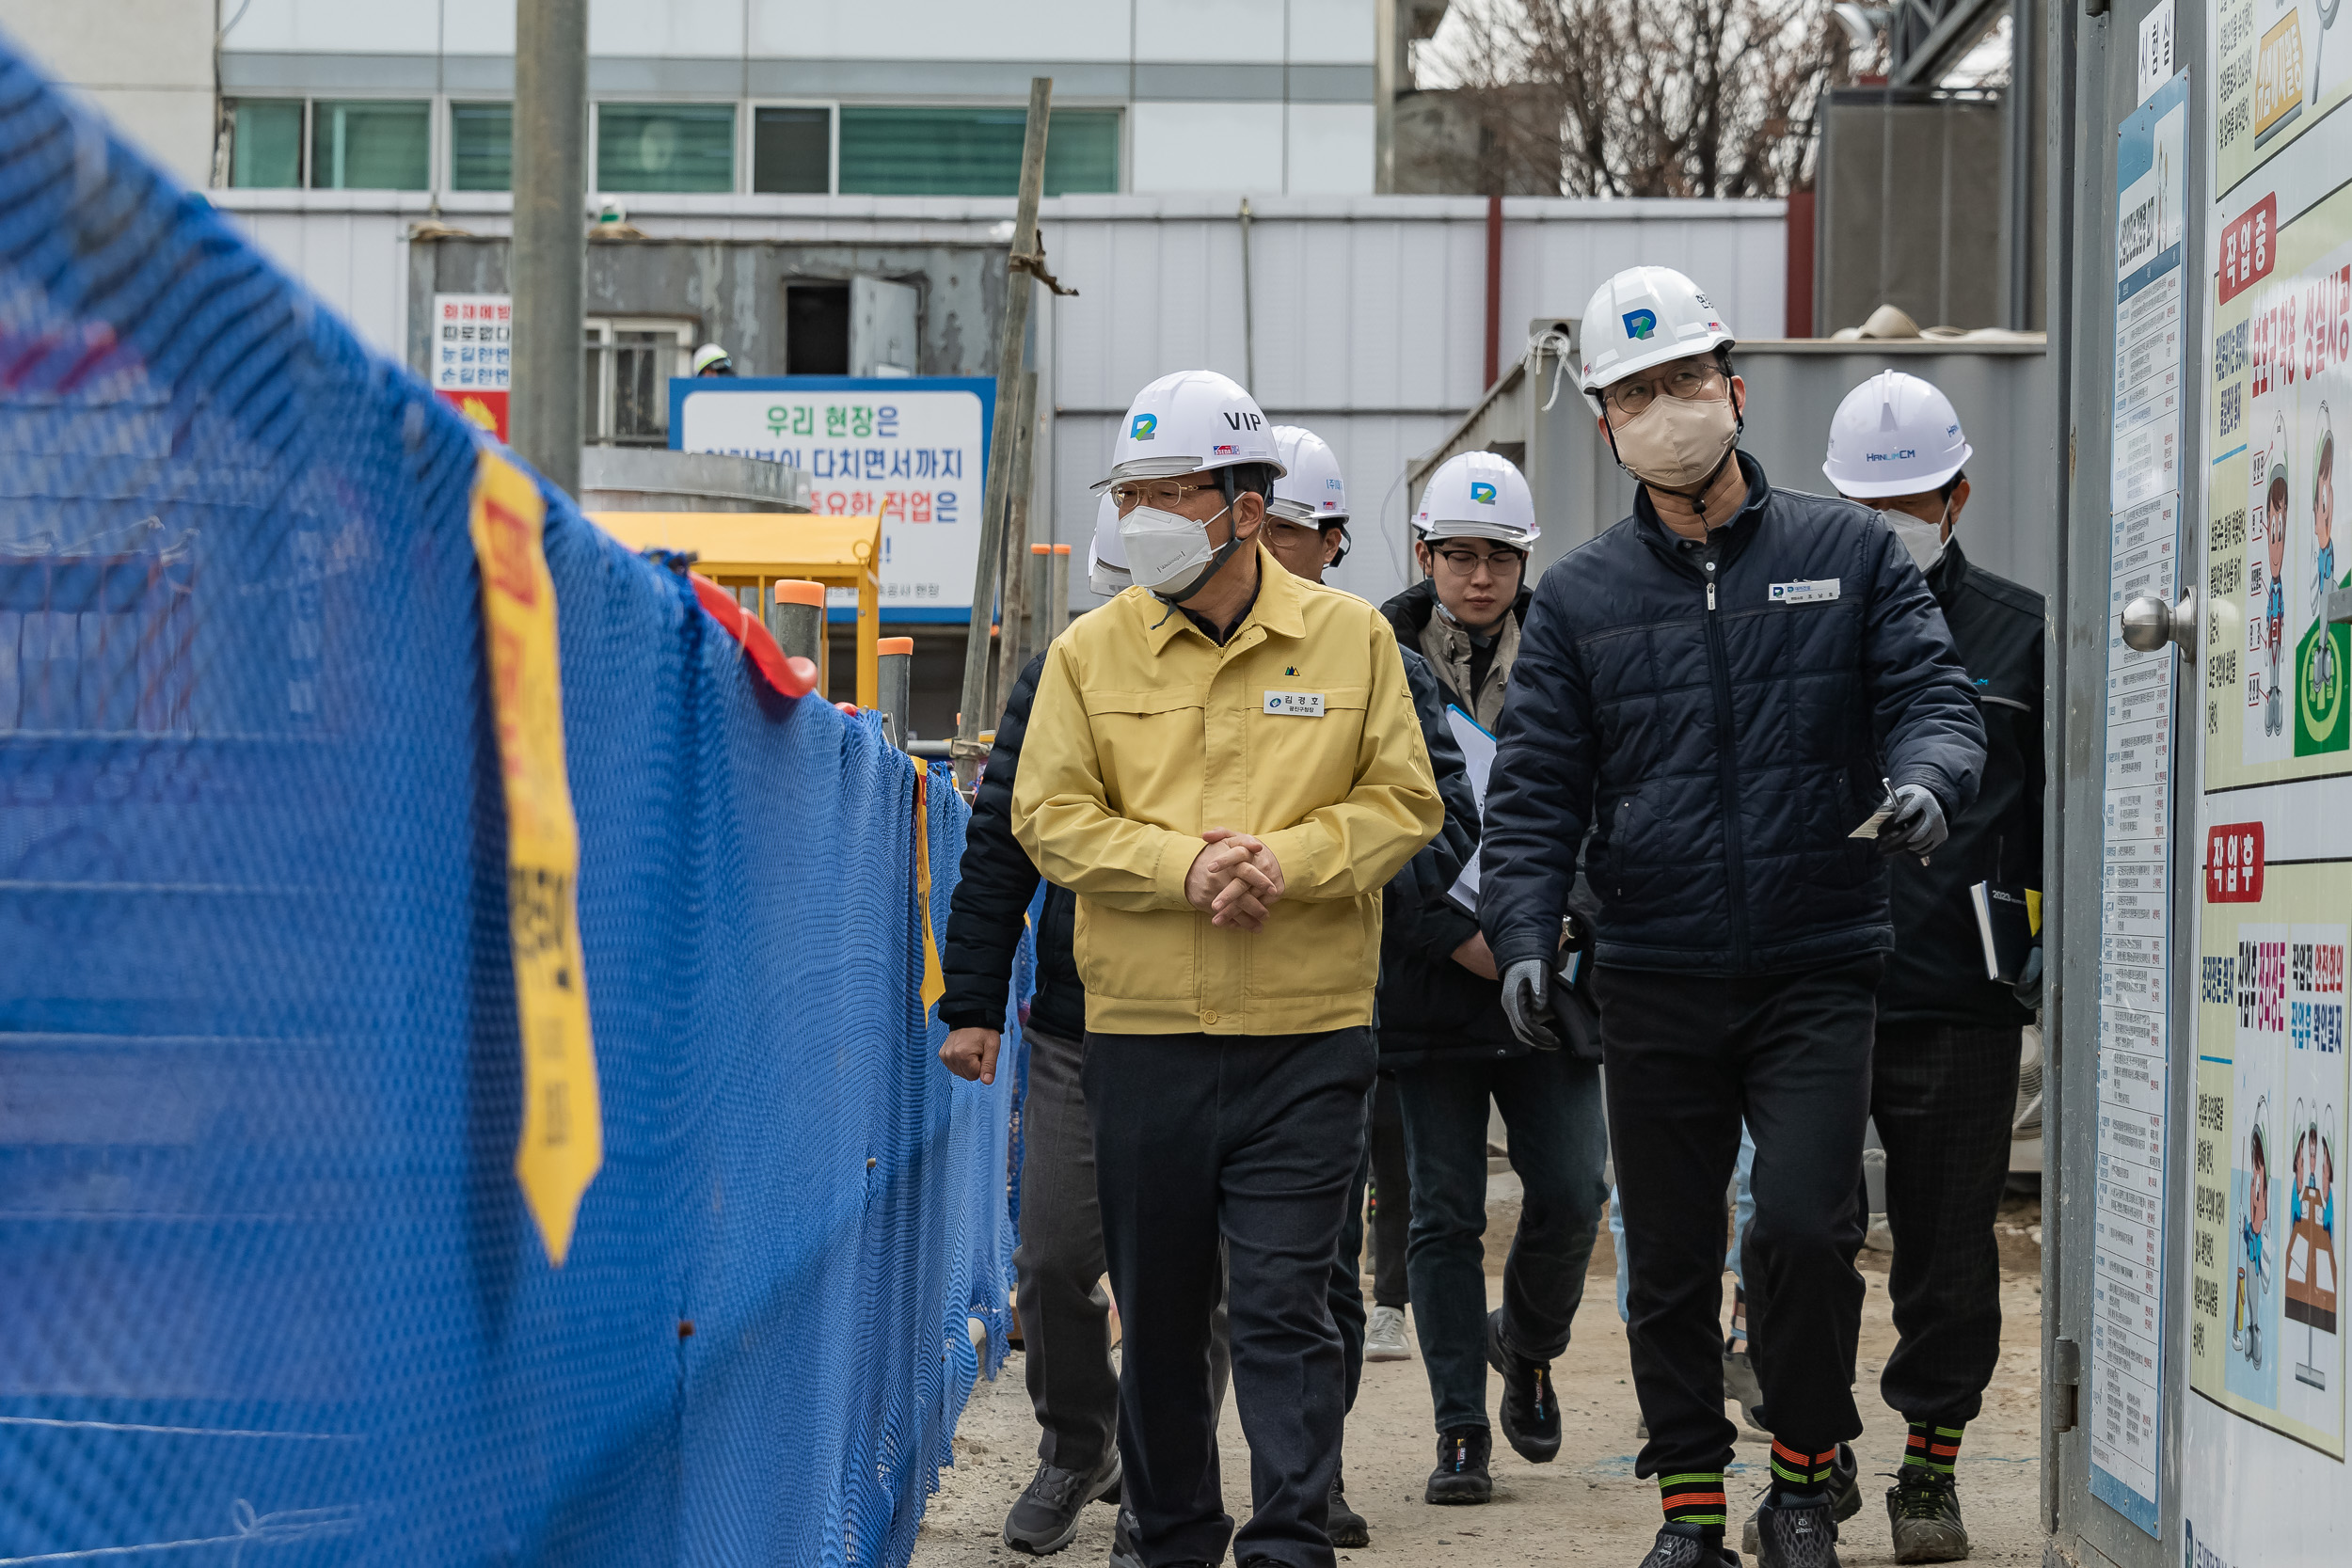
2266,1414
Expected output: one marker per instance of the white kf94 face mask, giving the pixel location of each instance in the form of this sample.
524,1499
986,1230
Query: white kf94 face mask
1925,541
1168,552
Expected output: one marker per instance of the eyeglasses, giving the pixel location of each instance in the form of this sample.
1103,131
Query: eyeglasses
1164,494
1687,382
1464,563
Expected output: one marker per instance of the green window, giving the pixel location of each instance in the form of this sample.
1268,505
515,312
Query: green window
665,147
266,142
480,147
370,145
792,150
932,151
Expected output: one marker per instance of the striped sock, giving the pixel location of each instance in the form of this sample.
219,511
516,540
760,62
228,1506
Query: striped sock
1933,1448
1694,1498
1796,1470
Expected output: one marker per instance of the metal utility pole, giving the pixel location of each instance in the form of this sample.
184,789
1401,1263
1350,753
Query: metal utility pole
1019,284
550,246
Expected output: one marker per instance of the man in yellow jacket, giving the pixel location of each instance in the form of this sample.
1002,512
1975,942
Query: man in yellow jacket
1224,765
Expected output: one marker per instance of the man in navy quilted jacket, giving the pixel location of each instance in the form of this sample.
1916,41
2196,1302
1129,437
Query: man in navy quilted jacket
1746,696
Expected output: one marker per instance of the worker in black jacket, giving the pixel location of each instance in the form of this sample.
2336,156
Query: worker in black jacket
1443,1031
1943,1076
1724,688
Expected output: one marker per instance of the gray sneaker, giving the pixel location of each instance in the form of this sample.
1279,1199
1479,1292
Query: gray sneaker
1045,1516
1384,1336
1677,1548
1796,1536
1844,1493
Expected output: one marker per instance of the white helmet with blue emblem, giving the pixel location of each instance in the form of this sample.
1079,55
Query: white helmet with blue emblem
1642,317
1478,494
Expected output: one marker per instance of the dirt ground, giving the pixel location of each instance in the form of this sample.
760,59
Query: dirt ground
1586,1507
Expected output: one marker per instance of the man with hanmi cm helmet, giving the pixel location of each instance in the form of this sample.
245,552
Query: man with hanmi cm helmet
1723,688
1944,1071
1443,1031
1223,764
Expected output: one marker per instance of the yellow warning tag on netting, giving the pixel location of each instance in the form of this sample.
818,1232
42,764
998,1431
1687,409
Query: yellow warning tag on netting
935,977
562,1136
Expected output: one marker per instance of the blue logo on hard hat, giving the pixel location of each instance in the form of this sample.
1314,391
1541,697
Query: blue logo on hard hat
1143,427
1482,492
1641,323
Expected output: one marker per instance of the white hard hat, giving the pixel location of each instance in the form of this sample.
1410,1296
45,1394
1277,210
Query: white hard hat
1107,553
1895,434
1478,494
709,355
1644,316
1188,422
1310,489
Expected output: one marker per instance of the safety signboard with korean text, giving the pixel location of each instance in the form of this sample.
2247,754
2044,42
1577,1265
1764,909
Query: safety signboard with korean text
472,356
910,451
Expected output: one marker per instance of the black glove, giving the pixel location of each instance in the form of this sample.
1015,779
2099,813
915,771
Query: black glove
1527,1003
2028,986
1917,826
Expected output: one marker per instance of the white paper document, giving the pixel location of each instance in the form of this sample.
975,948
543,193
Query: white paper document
1478,759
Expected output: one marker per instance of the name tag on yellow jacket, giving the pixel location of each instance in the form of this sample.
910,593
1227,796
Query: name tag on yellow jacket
1146,734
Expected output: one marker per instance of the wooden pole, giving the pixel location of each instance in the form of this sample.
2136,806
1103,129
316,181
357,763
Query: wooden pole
1011,337
1013,644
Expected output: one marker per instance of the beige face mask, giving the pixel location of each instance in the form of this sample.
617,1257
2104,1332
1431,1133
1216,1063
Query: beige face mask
1676,444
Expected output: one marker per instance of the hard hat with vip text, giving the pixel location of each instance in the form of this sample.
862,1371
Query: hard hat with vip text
1188,422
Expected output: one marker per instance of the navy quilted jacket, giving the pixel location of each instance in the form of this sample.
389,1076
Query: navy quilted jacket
1720,716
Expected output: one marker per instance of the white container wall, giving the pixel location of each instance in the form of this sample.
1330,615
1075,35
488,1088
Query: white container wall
1366,321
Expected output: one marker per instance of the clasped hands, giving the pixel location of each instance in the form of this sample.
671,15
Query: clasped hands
1234,879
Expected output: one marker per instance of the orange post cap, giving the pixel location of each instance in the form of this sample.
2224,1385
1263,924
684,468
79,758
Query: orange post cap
885,646
1061,549
796,590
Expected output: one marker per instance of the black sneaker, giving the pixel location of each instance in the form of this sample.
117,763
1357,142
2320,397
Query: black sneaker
1461,1474
1045,1516
1343,1524
1686,1549
1844,1493
1924,1509
1796,1535
1124,1552
1530,1416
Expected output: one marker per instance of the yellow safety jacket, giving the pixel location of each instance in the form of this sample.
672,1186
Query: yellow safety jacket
1299,730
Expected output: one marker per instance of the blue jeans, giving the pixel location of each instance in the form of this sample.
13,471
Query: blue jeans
1743,1210
1559,1141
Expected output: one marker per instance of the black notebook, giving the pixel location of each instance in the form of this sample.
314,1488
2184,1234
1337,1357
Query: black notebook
2009,918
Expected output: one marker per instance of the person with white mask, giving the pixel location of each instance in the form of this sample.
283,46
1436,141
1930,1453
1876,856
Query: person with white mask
1716,705
1944,1071
1224,765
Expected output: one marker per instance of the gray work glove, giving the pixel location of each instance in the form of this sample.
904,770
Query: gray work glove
1527,1003
1917,826
2028,986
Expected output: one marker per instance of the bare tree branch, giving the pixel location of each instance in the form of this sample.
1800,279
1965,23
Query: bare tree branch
1705,98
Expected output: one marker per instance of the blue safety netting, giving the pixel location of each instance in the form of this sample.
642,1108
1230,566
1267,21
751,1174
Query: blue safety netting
269,1295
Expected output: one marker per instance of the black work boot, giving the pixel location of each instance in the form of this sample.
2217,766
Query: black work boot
1343,1524
1461,1474
1683,1547
1530,1416
1924,1509
1844,1492
1125,1553
1796,1535
1046,1515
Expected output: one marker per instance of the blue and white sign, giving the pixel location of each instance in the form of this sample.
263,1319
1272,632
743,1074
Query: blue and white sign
912,450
